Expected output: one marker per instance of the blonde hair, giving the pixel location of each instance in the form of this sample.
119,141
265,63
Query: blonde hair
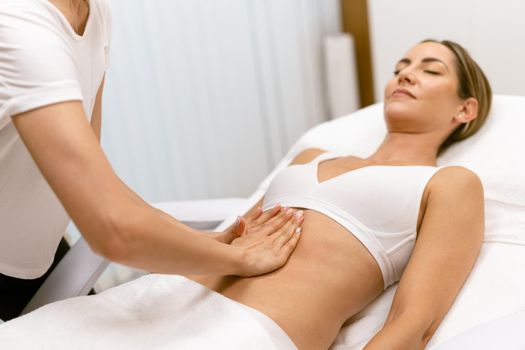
472,83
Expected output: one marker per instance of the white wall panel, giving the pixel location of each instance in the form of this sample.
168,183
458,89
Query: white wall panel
204,97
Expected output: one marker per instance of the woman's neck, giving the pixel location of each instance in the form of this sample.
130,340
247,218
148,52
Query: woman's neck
417,149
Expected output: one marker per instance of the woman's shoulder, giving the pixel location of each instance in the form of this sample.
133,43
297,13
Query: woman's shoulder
307,155
455,180
456,172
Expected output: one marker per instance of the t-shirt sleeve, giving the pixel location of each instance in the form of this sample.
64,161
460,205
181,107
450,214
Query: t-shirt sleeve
37,64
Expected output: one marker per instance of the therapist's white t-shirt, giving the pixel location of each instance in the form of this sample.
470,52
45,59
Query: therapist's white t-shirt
42,61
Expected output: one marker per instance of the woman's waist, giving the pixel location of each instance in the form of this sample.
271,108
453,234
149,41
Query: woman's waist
329,277
294,303
329,288
296,287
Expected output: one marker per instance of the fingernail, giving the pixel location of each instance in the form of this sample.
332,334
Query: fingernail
298,230
237,221
289,211
299,214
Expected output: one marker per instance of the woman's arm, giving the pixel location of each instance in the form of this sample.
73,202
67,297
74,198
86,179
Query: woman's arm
114,220
446,248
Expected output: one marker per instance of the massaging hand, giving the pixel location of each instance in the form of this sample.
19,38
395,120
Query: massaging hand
253,222
267,239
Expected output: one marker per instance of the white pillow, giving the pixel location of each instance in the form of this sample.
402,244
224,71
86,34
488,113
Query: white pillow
495,154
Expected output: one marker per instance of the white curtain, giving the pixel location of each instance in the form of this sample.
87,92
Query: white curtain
203,97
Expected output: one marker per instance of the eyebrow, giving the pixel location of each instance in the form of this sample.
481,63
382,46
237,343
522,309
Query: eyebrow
424,60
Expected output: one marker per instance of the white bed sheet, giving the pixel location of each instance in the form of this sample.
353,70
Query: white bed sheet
502,333
494,289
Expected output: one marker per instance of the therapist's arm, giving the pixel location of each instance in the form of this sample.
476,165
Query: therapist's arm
118,224
255,221
96,116
446,248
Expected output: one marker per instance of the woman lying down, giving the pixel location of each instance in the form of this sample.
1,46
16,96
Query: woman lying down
368,223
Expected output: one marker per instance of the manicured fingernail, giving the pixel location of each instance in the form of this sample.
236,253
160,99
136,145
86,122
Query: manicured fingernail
289,211
299,214
298,230
237,221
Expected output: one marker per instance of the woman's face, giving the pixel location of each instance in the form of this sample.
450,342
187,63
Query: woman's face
422,94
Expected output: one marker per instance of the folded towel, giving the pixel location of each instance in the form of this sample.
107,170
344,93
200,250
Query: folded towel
152,312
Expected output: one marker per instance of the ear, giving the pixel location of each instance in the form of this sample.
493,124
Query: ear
468,110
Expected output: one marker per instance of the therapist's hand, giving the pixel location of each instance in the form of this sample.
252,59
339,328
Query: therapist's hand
269,221
268,243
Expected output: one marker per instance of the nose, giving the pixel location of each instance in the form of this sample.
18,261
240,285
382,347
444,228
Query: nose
406,76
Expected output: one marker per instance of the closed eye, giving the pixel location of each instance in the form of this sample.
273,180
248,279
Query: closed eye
397,71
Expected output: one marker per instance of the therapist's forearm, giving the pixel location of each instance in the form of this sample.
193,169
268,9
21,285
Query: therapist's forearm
115,221
146,238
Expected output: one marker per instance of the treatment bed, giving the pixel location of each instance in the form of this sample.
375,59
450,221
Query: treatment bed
489,312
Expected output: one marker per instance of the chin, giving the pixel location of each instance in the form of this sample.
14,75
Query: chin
398,110
400,116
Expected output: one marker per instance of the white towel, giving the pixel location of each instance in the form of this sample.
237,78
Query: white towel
152,312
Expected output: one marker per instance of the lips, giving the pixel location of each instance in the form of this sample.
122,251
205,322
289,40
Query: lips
401,91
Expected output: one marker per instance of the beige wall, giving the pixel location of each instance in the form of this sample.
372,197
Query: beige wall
492,30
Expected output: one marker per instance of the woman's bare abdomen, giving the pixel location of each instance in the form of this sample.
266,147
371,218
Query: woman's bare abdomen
329,277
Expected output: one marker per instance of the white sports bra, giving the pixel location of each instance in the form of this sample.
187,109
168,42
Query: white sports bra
378,204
